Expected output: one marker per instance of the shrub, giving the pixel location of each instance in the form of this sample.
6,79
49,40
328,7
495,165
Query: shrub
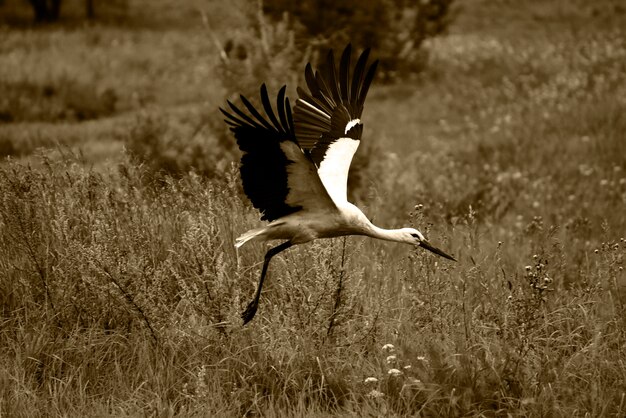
394,28
264,51
60,99
176,143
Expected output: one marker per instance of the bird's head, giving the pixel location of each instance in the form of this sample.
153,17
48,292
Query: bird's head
415,237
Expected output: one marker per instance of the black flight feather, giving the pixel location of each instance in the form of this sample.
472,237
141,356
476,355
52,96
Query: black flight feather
255,112
265,100
357,77
281,109
292,129
344,73
263,162
338,100
329,72
243,116
367,82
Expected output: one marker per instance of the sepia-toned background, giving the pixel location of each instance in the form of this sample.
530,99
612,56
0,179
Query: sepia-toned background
497,127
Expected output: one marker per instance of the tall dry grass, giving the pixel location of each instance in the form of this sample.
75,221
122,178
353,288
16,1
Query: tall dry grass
120,291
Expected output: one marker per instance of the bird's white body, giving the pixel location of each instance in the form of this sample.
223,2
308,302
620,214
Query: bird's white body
295,168
345,219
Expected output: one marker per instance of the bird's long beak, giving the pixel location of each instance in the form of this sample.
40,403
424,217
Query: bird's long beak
429,247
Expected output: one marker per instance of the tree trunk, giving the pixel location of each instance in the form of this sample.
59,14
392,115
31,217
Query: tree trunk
55,9
89,9
46,10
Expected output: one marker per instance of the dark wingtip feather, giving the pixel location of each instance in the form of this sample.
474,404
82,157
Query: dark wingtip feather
245,119
225,113
332,77
230,119
344,74
280,106
357,77
255,112
325,91
334,98
265,100
371,72
289,115
309,78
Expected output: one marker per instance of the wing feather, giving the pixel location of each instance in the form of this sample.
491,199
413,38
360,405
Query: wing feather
265,100
277,175
371,72
331,76
357,78
292,127
311,82
281,109
244,118
344,73
255,112
327,117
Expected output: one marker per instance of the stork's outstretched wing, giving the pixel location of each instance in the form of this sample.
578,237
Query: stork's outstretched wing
327,117
278,177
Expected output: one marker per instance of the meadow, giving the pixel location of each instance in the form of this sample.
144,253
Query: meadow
121,290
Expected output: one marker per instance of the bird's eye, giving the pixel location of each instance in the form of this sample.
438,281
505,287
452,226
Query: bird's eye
414,236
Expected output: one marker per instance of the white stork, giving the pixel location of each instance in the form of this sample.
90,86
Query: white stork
295,168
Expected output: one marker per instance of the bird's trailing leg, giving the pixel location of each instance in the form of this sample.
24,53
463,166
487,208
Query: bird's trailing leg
250,311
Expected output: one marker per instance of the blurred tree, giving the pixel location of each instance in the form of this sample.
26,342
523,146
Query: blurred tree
395,28
335,22
90,12
46,10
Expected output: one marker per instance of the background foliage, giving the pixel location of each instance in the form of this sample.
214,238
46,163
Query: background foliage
120,289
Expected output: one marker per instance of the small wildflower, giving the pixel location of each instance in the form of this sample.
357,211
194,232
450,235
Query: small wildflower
510,297
407,367
528,268
421,358
371,380
391,359
414,381
388,347
596,251
394,372
375,394
585,170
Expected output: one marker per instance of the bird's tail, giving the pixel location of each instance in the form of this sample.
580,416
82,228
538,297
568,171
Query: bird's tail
247,236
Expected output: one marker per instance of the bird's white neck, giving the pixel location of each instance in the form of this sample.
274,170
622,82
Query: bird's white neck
362,225
396,235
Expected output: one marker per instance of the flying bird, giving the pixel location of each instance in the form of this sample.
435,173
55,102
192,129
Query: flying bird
294,166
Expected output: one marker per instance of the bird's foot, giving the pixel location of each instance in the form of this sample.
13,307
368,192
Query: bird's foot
250,311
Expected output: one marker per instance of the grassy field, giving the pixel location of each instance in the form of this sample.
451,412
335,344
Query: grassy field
120,288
